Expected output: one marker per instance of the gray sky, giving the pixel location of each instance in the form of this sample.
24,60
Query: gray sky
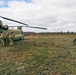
55,15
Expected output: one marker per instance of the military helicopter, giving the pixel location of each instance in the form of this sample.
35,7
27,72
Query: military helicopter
18,32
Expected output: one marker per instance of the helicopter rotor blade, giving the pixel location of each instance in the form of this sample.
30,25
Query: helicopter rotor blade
30,27
37,27
14,20
26,25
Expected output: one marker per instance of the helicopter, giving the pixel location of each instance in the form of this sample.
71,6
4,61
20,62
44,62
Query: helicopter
18,32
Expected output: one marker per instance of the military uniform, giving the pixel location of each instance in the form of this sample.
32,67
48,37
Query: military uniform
11,39
2,39
7,38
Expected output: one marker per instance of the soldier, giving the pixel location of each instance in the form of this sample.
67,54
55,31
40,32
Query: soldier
7,38
2,39
11,38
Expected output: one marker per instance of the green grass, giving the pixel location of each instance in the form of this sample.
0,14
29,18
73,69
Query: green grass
40,55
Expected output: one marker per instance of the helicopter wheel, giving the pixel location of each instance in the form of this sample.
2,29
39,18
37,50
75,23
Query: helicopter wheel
74,41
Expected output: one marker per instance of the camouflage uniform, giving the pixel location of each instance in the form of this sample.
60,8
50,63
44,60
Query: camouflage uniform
7,38
11,39
2,39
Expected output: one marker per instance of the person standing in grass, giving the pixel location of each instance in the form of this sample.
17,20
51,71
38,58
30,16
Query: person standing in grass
11,38
7,38
2,39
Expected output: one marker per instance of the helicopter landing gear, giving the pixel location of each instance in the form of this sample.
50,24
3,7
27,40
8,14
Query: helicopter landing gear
74,41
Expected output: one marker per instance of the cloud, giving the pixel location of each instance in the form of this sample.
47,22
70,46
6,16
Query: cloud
56,15
2,3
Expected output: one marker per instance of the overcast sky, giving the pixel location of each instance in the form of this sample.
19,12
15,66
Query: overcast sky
55,15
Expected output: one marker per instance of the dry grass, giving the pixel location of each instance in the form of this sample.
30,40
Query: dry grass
53,54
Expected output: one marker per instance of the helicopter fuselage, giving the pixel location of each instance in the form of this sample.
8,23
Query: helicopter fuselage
17,32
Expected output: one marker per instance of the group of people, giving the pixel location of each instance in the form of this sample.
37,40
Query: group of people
7,39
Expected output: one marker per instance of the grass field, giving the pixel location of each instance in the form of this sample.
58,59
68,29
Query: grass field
52,54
